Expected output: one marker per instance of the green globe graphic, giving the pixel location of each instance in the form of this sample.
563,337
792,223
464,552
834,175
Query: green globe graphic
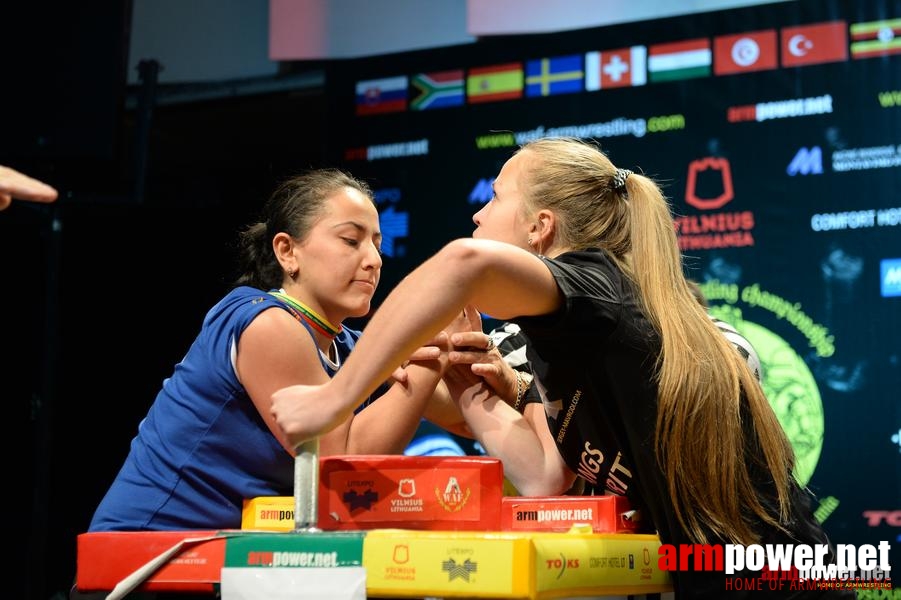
791,389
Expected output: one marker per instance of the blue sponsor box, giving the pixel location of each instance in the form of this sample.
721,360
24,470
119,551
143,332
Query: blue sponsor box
890,277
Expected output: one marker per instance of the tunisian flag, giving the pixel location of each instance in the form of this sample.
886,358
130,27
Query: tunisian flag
753,51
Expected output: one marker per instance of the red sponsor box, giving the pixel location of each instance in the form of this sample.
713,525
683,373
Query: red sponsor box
106,558
450,493
605,514
192,561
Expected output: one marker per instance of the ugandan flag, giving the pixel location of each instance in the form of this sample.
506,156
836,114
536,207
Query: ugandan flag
437,90
496,82
875,38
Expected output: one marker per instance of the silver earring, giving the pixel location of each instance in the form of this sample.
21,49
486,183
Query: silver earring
291,274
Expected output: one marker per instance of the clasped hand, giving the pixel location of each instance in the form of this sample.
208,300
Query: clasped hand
470,358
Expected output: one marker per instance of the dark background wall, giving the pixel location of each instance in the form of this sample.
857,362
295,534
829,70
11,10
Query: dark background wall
103,291
103,295
785,182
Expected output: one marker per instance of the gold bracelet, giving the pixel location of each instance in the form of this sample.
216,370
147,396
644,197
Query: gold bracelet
518,400
523,382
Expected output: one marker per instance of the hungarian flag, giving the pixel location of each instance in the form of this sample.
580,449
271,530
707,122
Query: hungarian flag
815,44
679,60
752,51
497,82
616,68
875,38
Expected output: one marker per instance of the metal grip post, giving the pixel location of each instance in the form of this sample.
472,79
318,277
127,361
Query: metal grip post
306,486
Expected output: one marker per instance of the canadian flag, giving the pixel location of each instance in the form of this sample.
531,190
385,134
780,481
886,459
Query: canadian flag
616,68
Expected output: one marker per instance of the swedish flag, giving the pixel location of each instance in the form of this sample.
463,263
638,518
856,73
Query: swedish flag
558,75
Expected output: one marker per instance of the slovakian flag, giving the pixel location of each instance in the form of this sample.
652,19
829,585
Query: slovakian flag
616,68
752,51
679,60
441,89
558,75
876,38
496,82
382,95
814,44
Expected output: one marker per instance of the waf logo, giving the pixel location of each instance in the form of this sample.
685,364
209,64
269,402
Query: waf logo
453,499
717,177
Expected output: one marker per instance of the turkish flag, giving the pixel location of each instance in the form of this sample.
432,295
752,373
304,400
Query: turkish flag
814,44
753,51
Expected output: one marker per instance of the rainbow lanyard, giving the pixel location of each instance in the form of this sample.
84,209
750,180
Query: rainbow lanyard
308,315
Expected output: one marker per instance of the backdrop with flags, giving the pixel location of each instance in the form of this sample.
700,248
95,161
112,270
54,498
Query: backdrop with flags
775,131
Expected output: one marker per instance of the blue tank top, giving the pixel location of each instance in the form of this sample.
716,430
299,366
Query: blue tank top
203,447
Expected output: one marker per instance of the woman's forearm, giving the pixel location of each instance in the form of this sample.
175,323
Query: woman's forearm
524,443
414,312
463,272
388,424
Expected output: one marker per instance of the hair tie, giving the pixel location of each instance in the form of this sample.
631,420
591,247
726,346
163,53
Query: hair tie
619,180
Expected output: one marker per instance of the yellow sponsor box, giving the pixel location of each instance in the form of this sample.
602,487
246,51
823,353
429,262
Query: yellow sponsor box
268,513
582,563
402,563
533,565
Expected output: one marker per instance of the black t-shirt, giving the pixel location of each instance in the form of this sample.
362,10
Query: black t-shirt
593,361
594,365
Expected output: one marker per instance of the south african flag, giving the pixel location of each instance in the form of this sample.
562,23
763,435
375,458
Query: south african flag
438,90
